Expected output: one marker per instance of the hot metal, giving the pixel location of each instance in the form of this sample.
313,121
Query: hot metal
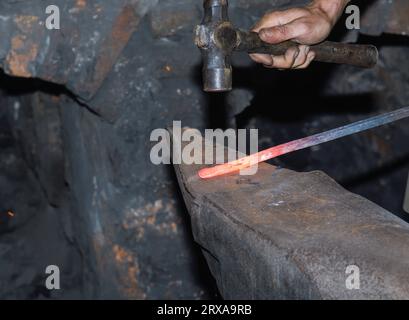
304,143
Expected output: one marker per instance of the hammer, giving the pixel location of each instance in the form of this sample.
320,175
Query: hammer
218,39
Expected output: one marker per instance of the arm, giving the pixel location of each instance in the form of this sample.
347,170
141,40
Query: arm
308,25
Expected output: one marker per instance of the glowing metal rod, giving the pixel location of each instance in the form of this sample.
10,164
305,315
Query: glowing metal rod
304,143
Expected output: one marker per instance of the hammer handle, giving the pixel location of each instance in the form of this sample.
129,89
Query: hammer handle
365,56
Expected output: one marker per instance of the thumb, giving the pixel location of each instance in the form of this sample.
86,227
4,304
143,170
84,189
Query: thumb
280,33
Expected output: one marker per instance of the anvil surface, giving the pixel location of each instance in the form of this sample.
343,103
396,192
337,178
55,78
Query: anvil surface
282,234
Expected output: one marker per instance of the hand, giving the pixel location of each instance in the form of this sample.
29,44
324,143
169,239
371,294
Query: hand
306,26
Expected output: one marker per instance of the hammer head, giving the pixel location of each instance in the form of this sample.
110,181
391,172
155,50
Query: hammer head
216,39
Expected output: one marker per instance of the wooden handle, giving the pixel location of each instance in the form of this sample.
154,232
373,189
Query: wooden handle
365,56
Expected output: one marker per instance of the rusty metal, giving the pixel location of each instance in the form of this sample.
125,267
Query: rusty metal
218,39
217,69
286,235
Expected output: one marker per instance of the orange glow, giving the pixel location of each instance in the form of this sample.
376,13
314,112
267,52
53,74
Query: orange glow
307,142
241,164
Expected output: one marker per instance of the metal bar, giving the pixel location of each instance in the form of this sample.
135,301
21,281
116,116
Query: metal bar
304,143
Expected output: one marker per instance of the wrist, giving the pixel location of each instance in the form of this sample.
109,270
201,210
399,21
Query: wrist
332,9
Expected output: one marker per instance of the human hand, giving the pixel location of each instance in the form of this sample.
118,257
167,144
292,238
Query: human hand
306,26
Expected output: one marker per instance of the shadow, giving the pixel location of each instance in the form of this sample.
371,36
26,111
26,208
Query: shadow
15,86
385,40
270,87
200,269
368,184
375,174
216,111
295,96
215,103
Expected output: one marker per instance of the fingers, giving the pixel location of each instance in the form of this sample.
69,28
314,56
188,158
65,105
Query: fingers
305,26
287,60
302,56
310,58
278,18
282,33
264,59
295,58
